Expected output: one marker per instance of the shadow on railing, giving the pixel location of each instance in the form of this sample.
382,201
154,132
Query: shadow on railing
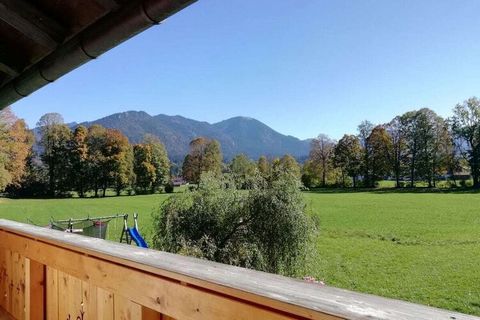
46,274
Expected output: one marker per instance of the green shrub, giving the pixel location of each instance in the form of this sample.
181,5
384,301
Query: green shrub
169,187
265,228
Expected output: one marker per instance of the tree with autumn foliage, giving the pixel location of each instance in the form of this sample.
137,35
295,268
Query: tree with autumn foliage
264,166
145,171
205,156
15,146
116,169
159,160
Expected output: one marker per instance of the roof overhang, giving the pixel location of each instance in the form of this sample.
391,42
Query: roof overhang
41,40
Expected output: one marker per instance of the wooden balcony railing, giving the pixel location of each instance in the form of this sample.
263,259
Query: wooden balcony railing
46,274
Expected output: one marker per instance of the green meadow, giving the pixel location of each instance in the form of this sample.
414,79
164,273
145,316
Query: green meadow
422,247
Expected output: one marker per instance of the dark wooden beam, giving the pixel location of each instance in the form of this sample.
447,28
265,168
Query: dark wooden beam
108,4
31,22
5,68
11,65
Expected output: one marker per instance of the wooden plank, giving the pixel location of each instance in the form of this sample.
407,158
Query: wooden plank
70,298
32,23
52,293
246,286
3,279
9,283
89,300
149,314
4,315
27,289
18,289
165,296
104,305
126,309
35,290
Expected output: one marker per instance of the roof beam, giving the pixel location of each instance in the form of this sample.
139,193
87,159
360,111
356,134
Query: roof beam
12,66
108,4
32,23
5,68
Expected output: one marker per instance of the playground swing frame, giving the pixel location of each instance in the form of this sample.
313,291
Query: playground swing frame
130,234
68,225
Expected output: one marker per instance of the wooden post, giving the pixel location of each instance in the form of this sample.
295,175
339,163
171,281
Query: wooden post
35,290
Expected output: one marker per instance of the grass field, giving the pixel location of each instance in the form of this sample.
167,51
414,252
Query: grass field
420,247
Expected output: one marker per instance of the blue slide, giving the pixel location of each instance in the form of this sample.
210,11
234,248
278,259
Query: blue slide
139,241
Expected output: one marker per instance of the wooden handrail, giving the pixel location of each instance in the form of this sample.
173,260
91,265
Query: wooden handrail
188,288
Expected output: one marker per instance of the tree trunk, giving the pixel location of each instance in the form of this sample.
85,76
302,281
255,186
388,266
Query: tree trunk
476,181
475,168
96,189
51,179
104,188
412,164
324,169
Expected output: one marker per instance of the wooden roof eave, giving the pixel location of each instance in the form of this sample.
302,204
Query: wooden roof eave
125,21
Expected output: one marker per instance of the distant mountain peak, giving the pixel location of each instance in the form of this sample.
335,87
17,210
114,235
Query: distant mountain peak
236,135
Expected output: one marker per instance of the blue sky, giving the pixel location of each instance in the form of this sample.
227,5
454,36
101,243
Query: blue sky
303,67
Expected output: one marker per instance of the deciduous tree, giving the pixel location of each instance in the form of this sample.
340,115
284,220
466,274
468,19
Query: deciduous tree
15,146
321,154
364,130
398,156
55,137
243,171
380,151
466,127
79,160
143,167
348,157
159,160
205,156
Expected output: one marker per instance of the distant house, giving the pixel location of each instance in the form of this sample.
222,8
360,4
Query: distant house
178,181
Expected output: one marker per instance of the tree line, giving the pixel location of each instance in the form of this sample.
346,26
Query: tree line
205,155
83,160
417,146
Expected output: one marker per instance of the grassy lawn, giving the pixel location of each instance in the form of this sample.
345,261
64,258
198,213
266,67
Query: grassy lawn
421,247
40,211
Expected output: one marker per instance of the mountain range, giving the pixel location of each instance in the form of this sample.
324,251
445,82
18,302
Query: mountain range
236,135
